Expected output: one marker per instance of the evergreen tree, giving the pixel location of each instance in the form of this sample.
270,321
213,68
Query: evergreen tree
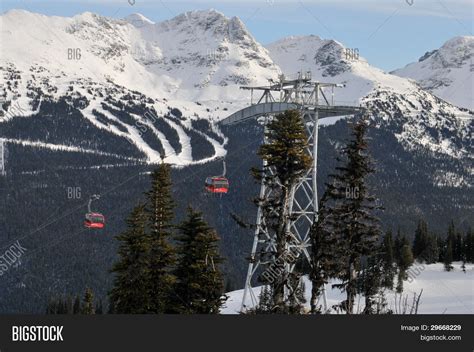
450,247
349,215
62,305
405,261
199,288
98,307
324,250
448,256
388,260
131,292
441,249
469,246
286,160
69,305
265,302
458,247
371,279
88,302
397,246
421,240
77,305
52,306
451,237
159,210
431,253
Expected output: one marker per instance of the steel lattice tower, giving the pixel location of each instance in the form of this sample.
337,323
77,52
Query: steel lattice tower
311,99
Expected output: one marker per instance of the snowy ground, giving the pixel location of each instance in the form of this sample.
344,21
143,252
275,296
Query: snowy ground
443,292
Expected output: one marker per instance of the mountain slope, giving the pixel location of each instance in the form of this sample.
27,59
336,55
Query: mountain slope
87,61
418,118
447,72
207,54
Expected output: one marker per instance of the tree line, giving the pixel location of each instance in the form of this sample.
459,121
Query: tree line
69,305
431,248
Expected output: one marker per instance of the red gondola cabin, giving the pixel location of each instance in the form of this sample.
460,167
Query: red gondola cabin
217,184
94,221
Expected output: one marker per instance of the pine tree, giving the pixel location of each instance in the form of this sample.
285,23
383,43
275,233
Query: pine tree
405,261
421,240
397,246
52,306
98,307
265,302
388,260
450,247
349,215
441,249
69,305
200,285
61,305
88,302
159,210
131,292
286,160
431,253
371,280
458,247
77,305
448,256
324,250
469,246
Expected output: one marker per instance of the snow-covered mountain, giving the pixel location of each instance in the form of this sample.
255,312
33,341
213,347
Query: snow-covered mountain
205,53
447,72
421,118
194,65
199,55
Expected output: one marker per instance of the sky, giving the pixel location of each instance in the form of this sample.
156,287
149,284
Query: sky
388,33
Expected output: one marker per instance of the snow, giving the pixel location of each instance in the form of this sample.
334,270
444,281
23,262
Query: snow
204,57
138,20
308,53
371,87
443,292
447,72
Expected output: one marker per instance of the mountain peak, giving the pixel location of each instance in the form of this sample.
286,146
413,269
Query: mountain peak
206,18
208,26
138,20
444,71
459,41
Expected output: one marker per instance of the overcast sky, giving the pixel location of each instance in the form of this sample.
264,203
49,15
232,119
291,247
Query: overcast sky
388,33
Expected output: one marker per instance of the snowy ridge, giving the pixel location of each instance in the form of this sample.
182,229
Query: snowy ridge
394,100
195,63
447,72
